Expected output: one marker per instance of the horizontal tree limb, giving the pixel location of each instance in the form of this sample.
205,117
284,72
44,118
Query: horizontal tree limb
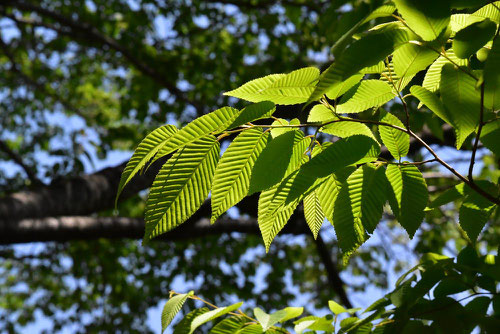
63,229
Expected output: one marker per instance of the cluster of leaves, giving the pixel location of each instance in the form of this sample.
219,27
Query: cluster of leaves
347,181
409,308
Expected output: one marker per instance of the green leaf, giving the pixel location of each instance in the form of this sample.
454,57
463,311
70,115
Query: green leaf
396,82
184,326
450,286
345,129
410,190
251,329
255,111
229,325
432,102
336,308
427,18
292,88
489,136
268,320
340,154
358,207
172,307
340,88
475,211
491,75
181,186
320,114
278,154
232,175
211,315
367,51
462,101
146,150
271,224
375,69
397,142
449,195
214,122
368,94
490,11
470,39
382,11
432,77
281,127
410,59
292,312
313,212
314,324
329,189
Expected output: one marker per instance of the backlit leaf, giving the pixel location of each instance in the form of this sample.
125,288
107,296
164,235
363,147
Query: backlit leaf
396,141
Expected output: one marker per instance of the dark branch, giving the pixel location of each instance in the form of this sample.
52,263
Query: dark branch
18,160
64,229
334,278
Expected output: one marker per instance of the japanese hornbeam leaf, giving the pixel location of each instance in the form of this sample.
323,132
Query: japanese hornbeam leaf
211,315
431,101
232,175
367,51
411,196
396,141
229,326
367,94
427,18
181,186
385,10
475,210
397,82
490,11
184,325
432,77
291,88
253,112
320,114
278,154
172,307
461,99
490,135
214,122
329,189
492,77
144,153
342,87
471,38
271,223
342,153
313,213
358,207
347,128
410,59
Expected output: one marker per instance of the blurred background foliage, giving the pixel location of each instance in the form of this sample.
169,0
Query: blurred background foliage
82,82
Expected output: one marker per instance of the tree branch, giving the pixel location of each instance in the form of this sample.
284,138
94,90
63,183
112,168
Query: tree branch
63,229
18,160
336,282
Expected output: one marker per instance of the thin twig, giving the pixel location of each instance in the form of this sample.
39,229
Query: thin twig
478,135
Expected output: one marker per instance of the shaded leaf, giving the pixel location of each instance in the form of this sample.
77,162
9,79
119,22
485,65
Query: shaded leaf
428,18
471,38
410,191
